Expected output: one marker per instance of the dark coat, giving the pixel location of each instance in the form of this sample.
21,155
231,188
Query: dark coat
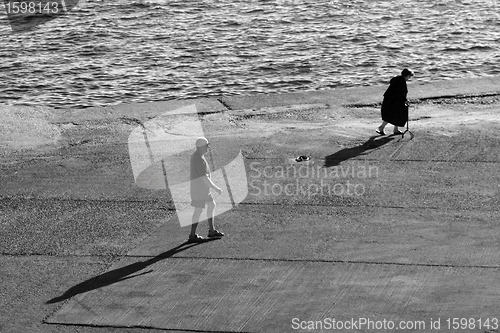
394,109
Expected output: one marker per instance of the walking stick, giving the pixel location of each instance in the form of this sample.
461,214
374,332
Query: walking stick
408,125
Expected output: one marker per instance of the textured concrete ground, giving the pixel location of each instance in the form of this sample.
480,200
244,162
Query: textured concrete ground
371,226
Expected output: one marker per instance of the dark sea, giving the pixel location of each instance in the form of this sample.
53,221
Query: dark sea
110,52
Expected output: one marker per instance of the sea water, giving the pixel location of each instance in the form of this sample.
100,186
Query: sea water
110,52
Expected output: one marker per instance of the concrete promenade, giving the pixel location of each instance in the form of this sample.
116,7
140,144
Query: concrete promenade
372,230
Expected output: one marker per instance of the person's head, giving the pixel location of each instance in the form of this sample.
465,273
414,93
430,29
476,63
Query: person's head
406,73
202,145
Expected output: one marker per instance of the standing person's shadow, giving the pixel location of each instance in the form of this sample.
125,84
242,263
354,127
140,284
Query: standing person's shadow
120,274
363,149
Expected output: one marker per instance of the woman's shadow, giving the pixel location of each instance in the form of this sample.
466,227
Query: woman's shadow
120,274
365,148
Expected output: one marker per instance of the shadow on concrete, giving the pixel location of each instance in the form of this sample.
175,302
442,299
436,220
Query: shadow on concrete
344,154
121,274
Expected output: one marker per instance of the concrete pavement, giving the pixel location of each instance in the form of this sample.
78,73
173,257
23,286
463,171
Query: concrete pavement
83,246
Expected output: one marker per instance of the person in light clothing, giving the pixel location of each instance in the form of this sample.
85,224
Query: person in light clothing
200,185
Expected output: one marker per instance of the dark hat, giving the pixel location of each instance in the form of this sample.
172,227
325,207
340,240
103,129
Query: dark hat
406,72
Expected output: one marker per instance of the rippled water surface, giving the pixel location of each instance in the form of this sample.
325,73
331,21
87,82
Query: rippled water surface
111,52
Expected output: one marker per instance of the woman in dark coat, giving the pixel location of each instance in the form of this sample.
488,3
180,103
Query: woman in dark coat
395,104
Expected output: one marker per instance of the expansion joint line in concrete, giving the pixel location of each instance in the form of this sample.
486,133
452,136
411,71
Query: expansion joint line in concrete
37,158
33,158
326,261
65,256
118,201
131,121
465,96
145,327
224,104
378,160
364,206
6,200
424,99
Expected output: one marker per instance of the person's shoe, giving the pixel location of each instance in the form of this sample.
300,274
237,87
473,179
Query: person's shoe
302,158
397,132
195,239
381,132
215,233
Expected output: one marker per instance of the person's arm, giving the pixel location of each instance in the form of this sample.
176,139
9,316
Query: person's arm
198,167
401,91
210,183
